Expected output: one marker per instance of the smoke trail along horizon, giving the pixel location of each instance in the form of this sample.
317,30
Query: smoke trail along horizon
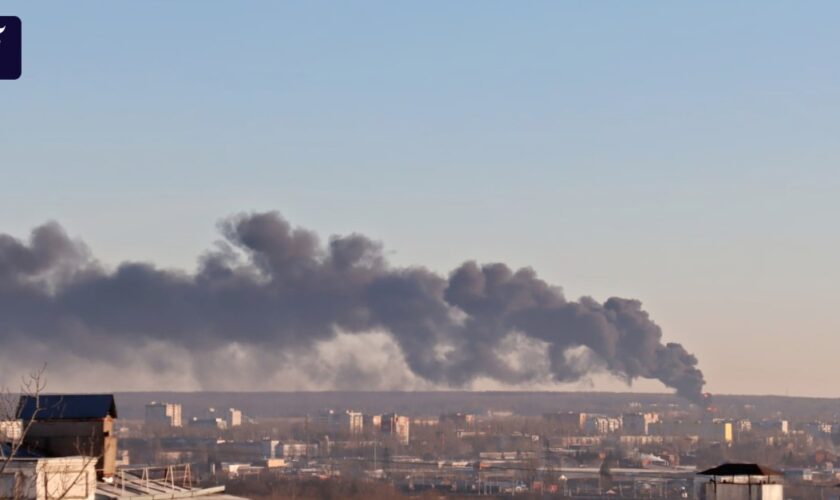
273,286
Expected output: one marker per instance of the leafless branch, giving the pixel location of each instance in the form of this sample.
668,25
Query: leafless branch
32,385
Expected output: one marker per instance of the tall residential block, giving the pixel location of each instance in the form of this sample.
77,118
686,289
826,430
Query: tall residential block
168,414
398,426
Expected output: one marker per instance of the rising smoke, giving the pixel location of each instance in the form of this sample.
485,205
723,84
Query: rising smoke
277,289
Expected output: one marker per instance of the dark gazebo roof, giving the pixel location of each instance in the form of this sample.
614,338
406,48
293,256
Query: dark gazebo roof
730,469
67,407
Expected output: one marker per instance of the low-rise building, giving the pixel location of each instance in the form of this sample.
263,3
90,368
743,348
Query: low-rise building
742,426
268,448
332,421
568,423
297,450
461,421
708,430
817,429
67,425
771,427
11,430
208,423
601,424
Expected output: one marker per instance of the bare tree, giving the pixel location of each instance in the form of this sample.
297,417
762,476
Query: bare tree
13,432
70,476
32,385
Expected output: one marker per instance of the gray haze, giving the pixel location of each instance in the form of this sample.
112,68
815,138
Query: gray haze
274,289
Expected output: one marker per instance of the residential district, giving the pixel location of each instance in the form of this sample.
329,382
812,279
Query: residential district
76,446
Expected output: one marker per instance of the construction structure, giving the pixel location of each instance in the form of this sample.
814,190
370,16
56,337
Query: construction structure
153,483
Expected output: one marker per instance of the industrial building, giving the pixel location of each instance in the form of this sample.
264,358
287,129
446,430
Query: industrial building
709,430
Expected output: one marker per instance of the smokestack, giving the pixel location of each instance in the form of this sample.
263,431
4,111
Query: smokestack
278,289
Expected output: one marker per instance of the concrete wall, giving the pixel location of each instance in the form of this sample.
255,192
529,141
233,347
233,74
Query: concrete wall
68,478
64,438
743,491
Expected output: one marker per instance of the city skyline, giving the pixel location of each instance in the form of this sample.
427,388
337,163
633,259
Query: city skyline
679,156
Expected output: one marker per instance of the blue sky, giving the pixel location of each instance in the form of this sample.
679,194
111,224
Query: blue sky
685,155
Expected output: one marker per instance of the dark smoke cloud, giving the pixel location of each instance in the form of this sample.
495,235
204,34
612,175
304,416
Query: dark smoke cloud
276,288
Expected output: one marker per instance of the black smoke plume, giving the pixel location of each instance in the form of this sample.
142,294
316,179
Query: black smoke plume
277,288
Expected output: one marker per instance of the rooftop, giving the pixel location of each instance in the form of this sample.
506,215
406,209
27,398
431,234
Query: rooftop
739,469
67,407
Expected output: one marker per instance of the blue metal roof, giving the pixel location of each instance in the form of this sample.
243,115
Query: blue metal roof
67,407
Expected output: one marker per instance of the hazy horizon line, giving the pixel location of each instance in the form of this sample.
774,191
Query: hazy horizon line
453,391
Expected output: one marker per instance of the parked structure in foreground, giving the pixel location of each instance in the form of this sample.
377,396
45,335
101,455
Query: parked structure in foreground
68,452
65,425
735,481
